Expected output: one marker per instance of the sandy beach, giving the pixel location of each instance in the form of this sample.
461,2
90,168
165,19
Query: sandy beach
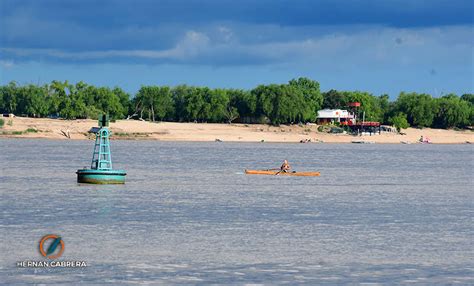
170,131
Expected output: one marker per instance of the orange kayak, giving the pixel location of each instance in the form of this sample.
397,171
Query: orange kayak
270,172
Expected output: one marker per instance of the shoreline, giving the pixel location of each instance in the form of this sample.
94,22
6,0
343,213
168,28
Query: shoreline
59,129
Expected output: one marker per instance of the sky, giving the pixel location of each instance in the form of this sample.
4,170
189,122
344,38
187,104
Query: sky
383,47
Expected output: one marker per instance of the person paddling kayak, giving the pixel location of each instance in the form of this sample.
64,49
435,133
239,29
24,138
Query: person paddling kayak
285,167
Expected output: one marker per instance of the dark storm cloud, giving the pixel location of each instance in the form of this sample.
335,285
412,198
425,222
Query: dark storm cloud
217,32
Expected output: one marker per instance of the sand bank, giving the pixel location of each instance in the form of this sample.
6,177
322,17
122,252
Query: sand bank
170,131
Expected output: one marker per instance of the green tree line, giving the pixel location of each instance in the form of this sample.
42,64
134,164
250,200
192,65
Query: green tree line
294,102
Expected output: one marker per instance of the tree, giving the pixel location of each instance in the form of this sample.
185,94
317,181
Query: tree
30,100
9,97
294,102
108,102
155,101
383,103
195,105
243,101
179,95
269,101
312,100
218,102
60,93
419,108
163,103
469,97
124,99
452,112
399,121
231,114
146,97
53,97
334,99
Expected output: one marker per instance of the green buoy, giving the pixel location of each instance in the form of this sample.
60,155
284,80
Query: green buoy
101,171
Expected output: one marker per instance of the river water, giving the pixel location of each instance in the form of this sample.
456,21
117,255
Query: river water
188,214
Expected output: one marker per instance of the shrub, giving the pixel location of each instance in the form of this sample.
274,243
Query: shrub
2,122
399,121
